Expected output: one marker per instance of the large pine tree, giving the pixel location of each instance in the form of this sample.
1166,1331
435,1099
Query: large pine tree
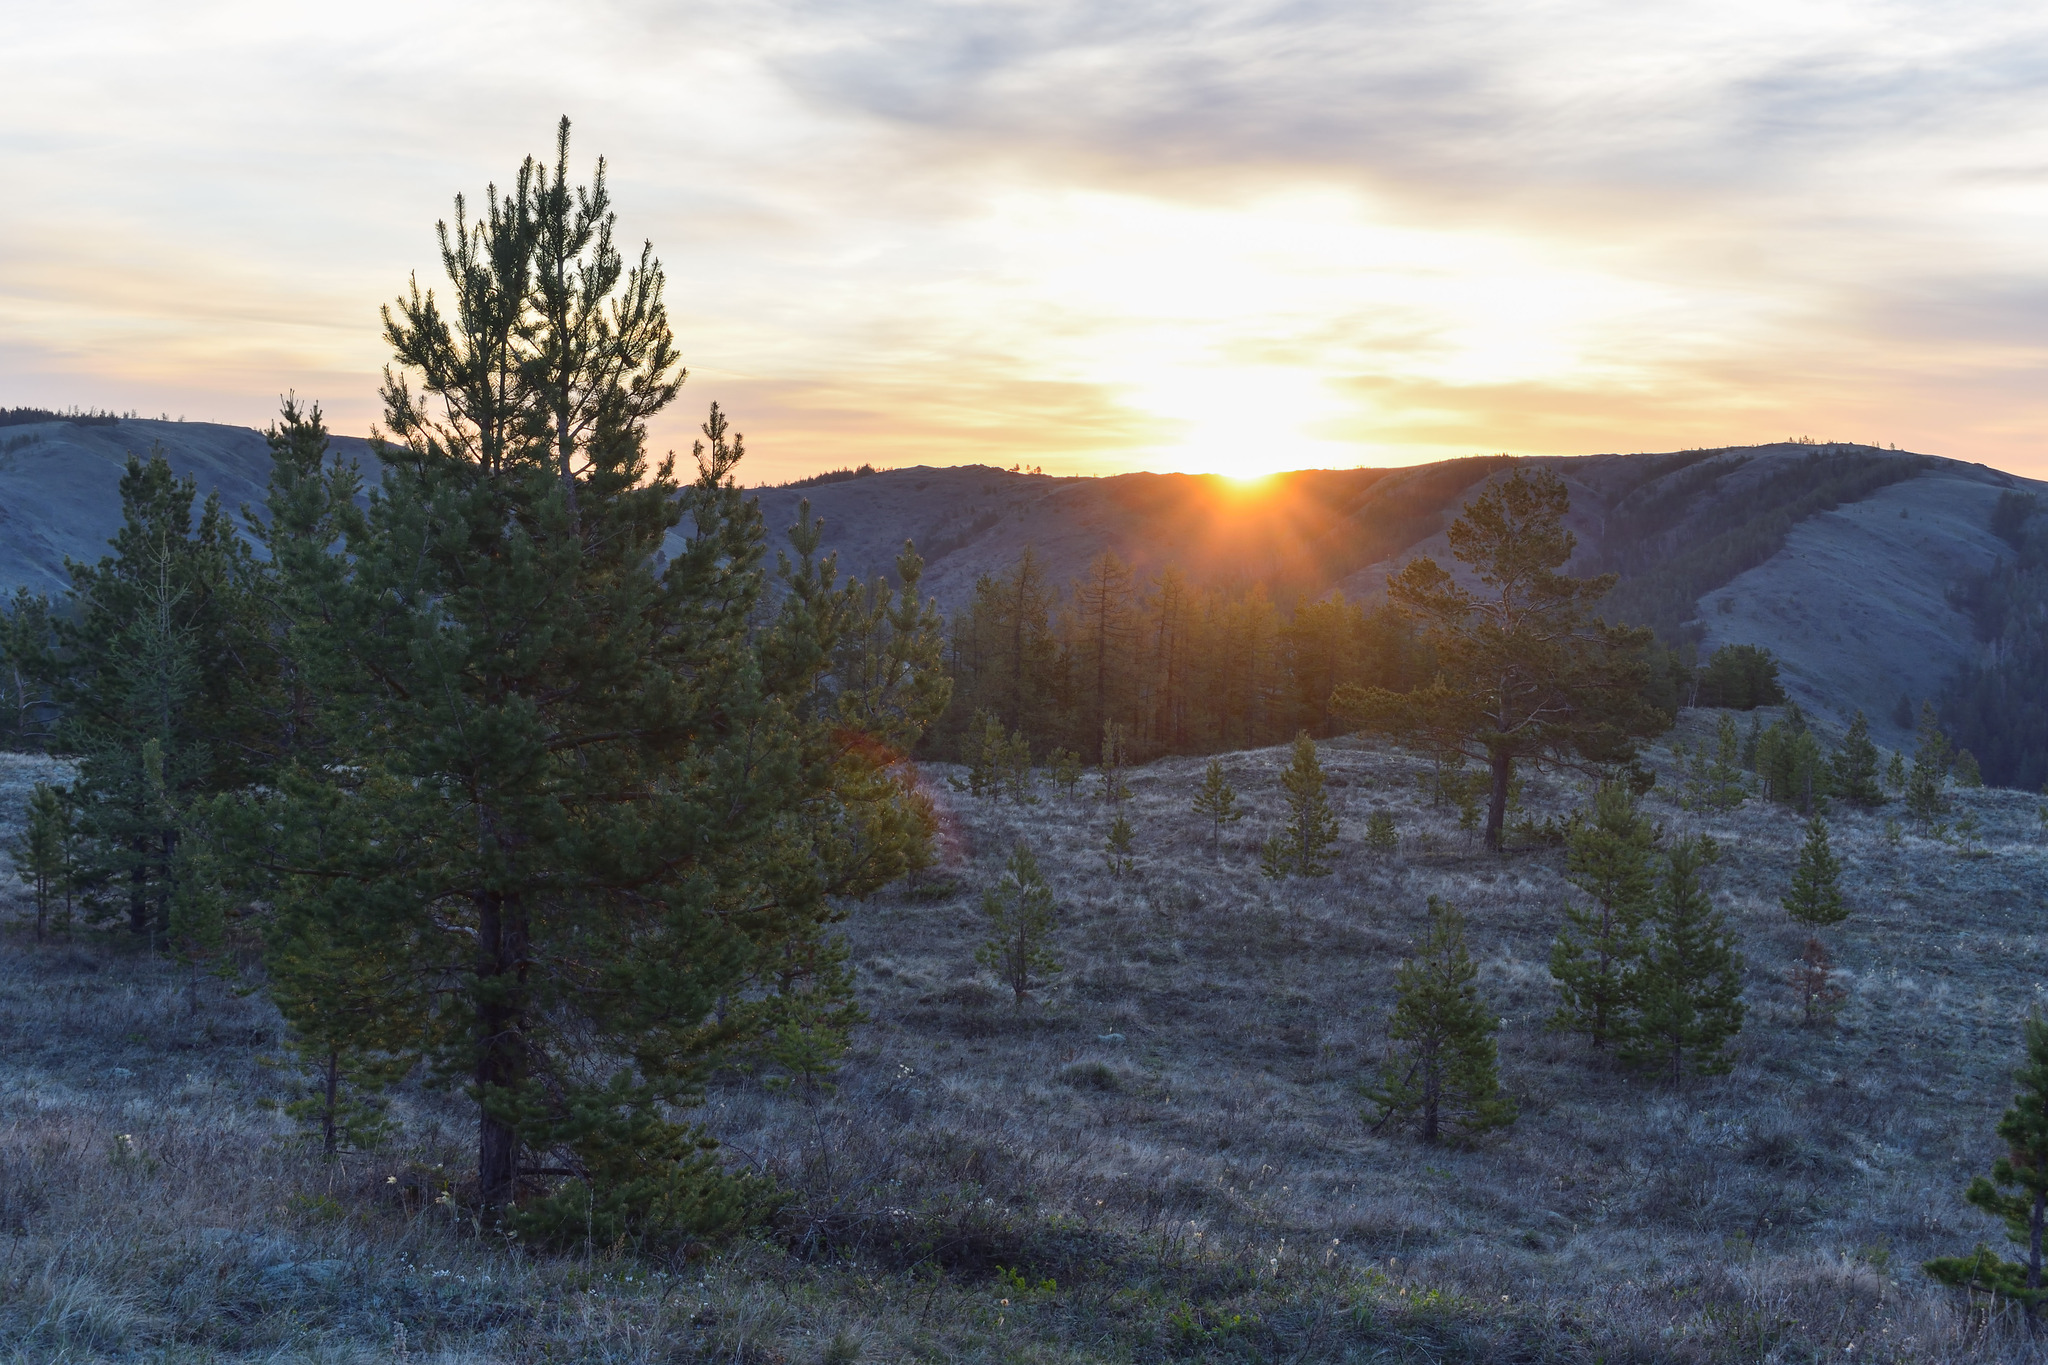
585,795
1528,673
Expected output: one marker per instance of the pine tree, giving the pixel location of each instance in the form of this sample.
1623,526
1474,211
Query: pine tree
1380,835
1967,773
1446,1073
1276,861
1527,671
42,852
587,800
1855,766
1021,916
1815,899
1925,797
2024,1130
1116,848
1311,824
1216,802
1598,951
1895,774
1687,991
987,751
1066,770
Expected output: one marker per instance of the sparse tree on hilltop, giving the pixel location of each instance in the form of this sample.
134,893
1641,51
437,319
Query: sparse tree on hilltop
1446,1069
1311,825
1687,992
1612,858
2024,1130
1021,916
1527,672
1216,802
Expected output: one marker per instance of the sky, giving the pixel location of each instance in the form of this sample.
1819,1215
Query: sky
1208,237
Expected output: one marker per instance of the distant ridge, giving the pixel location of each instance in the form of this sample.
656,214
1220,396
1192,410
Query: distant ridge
1838,557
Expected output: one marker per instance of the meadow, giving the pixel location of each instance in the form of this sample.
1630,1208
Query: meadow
1160,1156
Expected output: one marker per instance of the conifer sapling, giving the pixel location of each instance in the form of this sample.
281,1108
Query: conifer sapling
1687,991
1815,897
1021,915
1311,824
1612,859
1380,835
1216,802
1445,1069
2024,1130
1116,847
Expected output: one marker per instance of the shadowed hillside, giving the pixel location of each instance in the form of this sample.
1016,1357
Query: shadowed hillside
1811,550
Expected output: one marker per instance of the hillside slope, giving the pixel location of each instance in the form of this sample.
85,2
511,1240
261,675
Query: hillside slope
60,485
1800,548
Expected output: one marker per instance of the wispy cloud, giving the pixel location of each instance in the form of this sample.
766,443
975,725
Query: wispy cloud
1196,235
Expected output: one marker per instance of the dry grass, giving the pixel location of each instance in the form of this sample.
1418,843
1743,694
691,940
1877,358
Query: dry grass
1171,1133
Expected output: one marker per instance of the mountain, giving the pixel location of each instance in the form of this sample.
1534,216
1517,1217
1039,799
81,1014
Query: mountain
1841,559
60,484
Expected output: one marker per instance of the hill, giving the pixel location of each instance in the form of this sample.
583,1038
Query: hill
1162,1157
1842,559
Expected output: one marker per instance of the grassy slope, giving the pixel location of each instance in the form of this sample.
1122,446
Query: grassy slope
1171,1135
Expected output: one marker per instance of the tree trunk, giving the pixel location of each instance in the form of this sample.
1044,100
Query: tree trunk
501,1044
332,1086
1503,765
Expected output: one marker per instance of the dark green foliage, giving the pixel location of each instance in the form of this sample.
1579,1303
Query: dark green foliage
1815,898
1612,858
28,672
1380,835
1525,670
157,662
1902,712
1021,916
1065,766
1687,990
1216,802
1115,752
573,815
1926,784
2009,517
43,852
1117,845
1967,773
1741,678
1713,774
1790,763
1853,767
1445,1068
2024,1130
1304,845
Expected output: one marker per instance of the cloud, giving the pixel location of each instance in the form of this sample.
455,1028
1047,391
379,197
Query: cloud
1186,235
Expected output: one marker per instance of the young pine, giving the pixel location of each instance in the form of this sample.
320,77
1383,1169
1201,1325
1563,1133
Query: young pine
1116,848
1687,991
1216,802
1380,835
42,853
1446,1071
2024,1130
1815,898
1066,770
1311,824
1021,915
1925,797
1854,766
1612,859
1114,789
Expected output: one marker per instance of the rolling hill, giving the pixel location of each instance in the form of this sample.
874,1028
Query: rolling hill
1840,558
